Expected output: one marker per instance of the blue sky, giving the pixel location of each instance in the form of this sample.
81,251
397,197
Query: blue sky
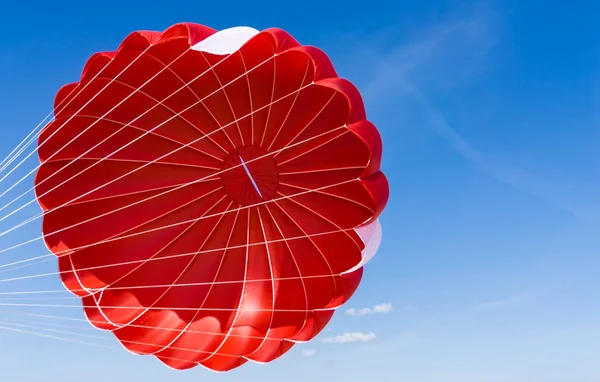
488,115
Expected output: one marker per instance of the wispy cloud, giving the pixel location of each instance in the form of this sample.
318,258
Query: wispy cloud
379,308
411,308
448,55
401,341
309,352
517,299
350,337
382,308
516,177
359,312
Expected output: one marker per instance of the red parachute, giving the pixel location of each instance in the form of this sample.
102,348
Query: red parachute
210,196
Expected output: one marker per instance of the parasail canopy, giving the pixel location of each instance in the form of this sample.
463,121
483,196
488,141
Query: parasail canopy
212,197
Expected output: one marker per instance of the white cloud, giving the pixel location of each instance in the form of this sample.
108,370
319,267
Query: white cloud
358,312
309,352
350,337
382,308
379,308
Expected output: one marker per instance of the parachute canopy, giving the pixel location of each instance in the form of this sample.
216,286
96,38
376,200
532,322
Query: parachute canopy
212,197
